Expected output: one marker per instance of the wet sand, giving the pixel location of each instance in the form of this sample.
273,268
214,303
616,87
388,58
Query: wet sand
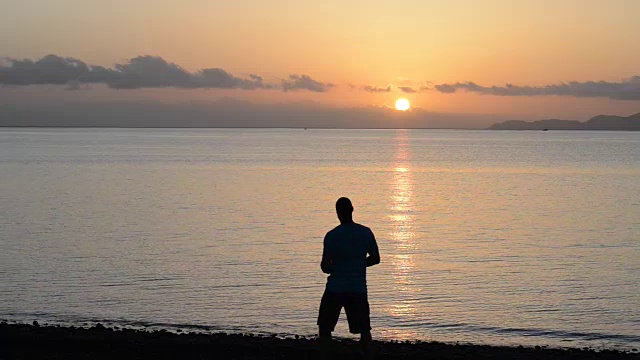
19,341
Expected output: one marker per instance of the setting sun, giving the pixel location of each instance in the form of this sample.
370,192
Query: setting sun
402,104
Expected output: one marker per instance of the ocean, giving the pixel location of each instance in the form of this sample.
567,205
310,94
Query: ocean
486,237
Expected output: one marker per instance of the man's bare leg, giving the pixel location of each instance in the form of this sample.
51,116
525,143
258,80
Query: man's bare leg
325,346
366,342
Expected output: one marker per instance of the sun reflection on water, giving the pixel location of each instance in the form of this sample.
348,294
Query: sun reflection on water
402,234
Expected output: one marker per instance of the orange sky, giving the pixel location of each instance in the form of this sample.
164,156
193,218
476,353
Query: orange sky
379,43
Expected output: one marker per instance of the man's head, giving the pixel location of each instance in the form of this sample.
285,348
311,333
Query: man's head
344,209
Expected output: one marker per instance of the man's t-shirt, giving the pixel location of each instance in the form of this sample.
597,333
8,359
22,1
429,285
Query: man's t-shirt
348,245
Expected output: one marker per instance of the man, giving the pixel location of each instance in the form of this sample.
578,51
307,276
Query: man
348,250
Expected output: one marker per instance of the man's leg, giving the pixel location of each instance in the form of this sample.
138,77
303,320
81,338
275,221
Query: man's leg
366,342
330,307
357,309
325,344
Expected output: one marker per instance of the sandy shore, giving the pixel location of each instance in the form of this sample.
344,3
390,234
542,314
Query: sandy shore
48,342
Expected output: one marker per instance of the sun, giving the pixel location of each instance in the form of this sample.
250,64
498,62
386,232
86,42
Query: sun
402,104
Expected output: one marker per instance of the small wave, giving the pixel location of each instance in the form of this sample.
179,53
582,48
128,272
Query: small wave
86,321
547,333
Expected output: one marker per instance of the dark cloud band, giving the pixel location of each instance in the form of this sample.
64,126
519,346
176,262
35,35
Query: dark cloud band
628,89
304,82
155,72
407,89
376,89
138,72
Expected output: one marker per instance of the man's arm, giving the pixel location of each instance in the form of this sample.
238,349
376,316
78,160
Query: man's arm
374,253
327,262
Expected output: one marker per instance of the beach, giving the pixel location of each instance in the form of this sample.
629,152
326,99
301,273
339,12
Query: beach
23,341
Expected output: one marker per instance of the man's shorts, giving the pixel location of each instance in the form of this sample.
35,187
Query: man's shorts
356,306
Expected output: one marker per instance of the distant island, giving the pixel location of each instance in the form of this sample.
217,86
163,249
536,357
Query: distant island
600,122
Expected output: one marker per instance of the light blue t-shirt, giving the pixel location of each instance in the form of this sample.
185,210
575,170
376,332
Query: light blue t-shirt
348,246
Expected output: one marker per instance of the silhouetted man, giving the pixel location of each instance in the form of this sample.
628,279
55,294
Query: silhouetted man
348,250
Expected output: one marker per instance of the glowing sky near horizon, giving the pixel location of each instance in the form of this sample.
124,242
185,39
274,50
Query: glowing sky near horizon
352,44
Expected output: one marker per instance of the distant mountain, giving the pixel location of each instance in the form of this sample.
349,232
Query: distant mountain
600,122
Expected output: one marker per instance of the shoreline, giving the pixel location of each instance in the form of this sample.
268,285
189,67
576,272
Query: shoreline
23,341
303,128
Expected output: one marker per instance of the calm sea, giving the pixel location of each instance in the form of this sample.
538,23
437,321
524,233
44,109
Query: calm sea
486,237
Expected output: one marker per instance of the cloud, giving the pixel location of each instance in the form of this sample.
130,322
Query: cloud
218,78
304,82
51,69
627,89
376,89
155,72
136,73
407,89
446,88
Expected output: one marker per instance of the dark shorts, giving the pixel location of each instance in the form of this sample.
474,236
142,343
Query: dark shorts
356,306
